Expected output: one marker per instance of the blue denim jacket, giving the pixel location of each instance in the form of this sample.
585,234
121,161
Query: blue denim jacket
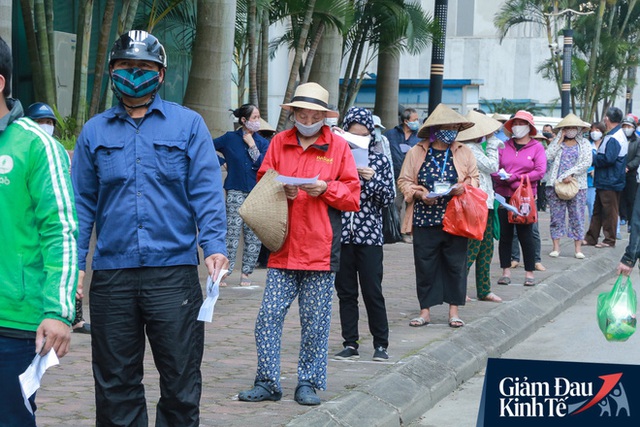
151,189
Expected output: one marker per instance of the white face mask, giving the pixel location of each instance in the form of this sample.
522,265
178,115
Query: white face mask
571,133
311,129
48,129
520,131
596,135
627,131
331,121
252,125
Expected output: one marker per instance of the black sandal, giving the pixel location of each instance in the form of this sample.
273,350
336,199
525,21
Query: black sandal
260,391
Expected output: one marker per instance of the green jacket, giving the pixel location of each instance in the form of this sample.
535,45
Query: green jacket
38,256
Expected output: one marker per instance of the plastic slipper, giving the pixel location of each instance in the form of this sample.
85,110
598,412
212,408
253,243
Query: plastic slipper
529,281
245,281
554,254
504,280
491,297
580,255
456,322
306,395
260,391
418,321
603,245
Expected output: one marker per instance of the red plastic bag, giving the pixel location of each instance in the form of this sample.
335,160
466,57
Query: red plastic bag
524,202
466,215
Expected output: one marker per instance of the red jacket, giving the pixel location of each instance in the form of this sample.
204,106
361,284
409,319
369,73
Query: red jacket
313,240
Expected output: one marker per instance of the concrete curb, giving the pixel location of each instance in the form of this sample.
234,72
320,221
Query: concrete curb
414,385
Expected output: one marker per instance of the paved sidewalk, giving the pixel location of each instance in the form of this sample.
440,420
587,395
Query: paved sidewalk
425,363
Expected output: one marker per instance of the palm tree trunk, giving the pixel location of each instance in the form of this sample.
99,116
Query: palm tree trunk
125,22
325,69
263,88
297,60
355,74
32,47
252,18
593,61
43,52
209,92
127,15
48,10
312,52
387,87
79,104
101,56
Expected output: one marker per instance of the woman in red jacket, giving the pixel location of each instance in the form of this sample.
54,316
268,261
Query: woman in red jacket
306,264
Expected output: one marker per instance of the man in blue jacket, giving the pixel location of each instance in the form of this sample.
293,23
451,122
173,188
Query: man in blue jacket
146,175
609,163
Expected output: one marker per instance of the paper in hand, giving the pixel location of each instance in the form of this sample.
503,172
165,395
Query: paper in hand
213,292
356,141
361,156
293,180
504,204
31,378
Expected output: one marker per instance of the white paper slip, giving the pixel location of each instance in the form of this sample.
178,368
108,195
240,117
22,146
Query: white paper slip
213,292
31,378
294,180
356,141
433,194
504,204
361,156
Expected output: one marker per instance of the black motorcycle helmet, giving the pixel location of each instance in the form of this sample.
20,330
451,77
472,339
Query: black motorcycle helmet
140,45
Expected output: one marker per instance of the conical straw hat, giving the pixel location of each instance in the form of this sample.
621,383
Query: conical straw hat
571,120
443,115
500,117
266,211
484,125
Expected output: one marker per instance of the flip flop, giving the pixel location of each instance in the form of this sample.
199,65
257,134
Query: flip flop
504,280
245,281
418,321
456,322
603,245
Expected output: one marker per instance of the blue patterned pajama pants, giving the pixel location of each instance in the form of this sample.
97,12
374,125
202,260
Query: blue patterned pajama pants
314,290
235,224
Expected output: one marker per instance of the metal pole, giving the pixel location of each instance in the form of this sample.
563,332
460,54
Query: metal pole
437,56
566,68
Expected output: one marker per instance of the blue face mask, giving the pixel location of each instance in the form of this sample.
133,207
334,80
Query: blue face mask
413,125
447,136
135,82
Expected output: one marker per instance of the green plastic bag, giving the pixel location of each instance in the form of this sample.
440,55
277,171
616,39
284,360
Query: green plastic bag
617,310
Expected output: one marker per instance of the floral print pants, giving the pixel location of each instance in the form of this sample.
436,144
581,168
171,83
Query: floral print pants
314,290
560,208
235,224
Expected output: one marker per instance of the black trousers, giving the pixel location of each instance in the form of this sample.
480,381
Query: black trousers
441,266
163,303
362,262
628,197
525,236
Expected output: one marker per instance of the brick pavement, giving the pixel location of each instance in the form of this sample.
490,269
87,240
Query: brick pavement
67,399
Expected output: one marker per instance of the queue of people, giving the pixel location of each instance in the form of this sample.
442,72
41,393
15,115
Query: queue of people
146,176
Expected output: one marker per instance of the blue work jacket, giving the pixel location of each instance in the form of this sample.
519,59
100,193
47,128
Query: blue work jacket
152,188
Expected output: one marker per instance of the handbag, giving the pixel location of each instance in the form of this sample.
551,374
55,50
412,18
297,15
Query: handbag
391,224
524,202
616,310
467,213
566,190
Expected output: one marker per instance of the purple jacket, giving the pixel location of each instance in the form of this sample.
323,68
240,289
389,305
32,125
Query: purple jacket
530,160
